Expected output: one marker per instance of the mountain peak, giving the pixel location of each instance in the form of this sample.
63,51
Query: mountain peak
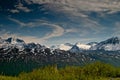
92,43
66,46
82,46
113,40
78,43
14,40
111,44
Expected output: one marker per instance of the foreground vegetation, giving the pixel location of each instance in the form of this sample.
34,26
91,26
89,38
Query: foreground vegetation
93,71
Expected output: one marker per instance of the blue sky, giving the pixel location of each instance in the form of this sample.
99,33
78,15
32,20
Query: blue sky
52,22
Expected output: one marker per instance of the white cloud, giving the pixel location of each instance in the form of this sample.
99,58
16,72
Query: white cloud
81,5
29,39
6,34
92,25
56,32
72,30
28,1
86,26
14,11
117,24
17,21
85,29
78,8
20,6
116,29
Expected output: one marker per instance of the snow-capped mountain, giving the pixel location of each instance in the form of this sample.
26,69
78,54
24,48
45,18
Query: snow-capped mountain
2,42
66,46
83,46
12,43
112,44
13,40
43,55
74,48
79,47
37,55
92,43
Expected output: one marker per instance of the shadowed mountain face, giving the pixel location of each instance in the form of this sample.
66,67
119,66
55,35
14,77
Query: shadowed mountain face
10,40
113,40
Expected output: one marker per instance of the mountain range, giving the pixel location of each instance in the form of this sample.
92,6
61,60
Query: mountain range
111,44
21,56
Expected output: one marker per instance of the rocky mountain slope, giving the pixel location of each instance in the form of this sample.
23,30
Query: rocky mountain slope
20,56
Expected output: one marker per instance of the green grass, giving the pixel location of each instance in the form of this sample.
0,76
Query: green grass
17,78
8,78
93,71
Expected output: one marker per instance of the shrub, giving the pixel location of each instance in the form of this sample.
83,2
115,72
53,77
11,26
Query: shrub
93,71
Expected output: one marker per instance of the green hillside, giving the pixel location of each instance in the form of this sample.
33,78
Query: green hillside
93,71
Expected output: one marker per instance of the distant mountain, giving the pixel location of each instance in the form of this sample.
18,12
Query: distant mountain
14,40
1,40
92,43
78,47
66,46
112,44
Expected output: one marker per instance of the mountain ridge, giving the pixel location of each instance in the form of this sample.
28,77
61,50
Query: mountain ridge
34,55
111,44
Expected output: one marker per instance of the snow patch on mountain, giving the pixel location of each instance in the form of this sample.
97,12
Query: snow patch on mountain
92,43
83,46
66,46
112,44
12,42
78,47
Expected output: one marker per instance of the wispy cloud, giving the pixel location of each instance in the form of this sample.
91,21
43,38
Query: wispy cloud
1,25
82,5
29,24
18,22
116,29
92,25
59,30
79,8
28,39
20,6
71,30
14,11
56,32
4,33
28,1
